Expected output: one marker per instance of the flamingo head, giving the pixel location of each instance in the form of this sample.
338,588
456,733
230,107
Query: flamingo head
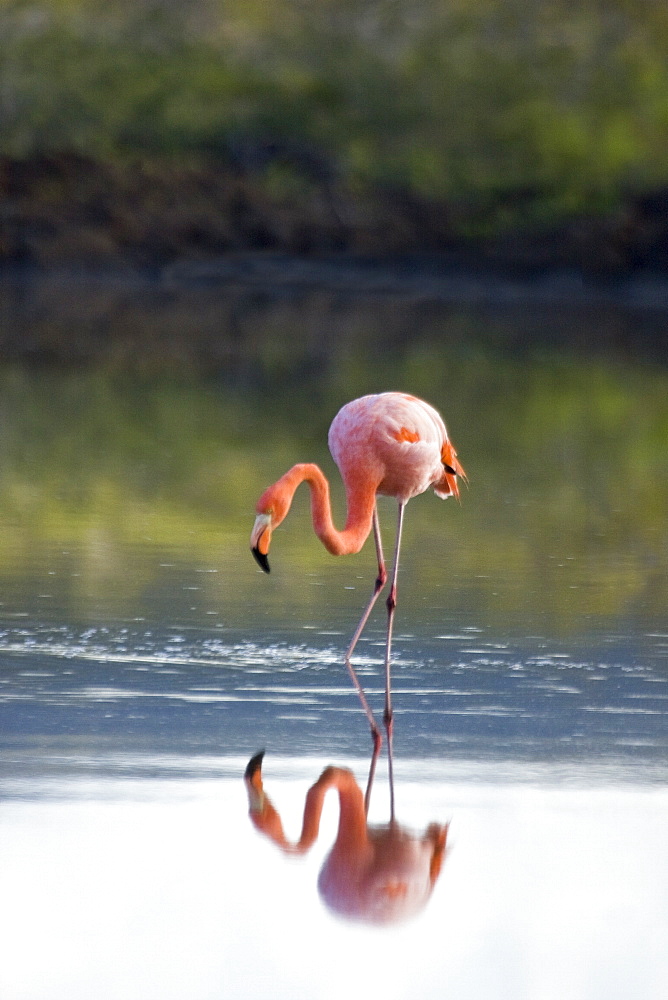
270,510
261,539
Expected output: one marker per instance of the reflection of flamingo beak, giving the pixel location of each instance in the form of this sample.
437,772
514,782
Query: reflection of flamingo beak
253,779
260,539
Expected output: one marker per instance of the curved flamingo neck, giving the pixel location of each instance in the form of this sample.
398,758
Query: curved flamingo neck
360,500
352,833
352,830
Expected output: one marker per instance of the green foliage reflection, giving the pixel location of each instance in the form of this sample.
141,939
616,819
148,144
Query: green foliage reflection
104,477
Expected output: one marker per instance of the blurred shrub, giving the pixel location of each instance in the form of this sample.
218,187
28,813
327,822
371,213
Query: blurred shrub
529,108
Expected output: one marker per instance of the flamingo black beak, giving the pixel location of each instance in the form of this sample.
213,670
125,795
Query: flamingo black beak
254,765
261,560
260,539
253,782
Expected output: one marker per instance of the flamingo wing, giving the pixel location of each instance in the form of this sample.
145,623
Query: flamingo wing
398,441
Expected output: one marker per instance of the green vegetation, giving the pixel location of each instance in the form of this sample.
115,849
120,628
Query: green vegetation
510,110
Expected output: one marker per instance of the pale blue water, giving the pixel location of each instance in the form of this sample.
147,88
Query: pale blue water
136,692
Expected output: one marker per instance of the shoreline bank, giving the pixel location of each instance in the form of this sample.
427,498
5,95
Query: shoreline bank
69,211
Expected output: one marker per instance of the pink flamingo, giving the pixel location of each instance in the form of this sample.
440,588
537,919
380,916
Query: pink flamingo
380,874
391,444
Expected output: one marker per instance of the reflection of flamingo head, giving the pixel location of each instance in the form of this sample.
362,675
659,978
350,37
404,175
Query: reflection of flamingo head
391,880
378,874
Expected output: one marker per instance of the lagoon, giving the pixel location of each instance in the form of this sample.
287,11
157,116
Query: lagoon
144,657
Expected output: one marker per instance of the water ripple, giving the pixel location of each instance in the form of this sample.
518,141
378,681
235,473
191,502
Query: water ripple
191,688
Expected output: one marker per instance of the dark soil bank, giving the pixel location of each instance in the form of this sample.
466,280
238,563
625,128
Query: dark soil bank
66,211
151,265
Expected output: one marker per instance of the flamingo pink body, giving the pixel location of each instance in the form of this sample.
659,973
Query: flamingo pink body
392,444
397,443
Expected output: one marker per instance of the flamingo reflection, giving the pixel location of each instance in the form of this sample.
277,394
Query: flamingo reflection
377,874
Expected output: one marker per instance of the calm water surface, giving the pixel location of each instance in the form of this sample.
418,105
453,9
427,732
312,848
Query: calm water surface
144,659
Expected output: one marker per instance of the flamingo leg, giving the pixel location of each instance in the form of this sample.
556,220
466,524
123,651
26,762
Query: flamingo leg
388,718
380,582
